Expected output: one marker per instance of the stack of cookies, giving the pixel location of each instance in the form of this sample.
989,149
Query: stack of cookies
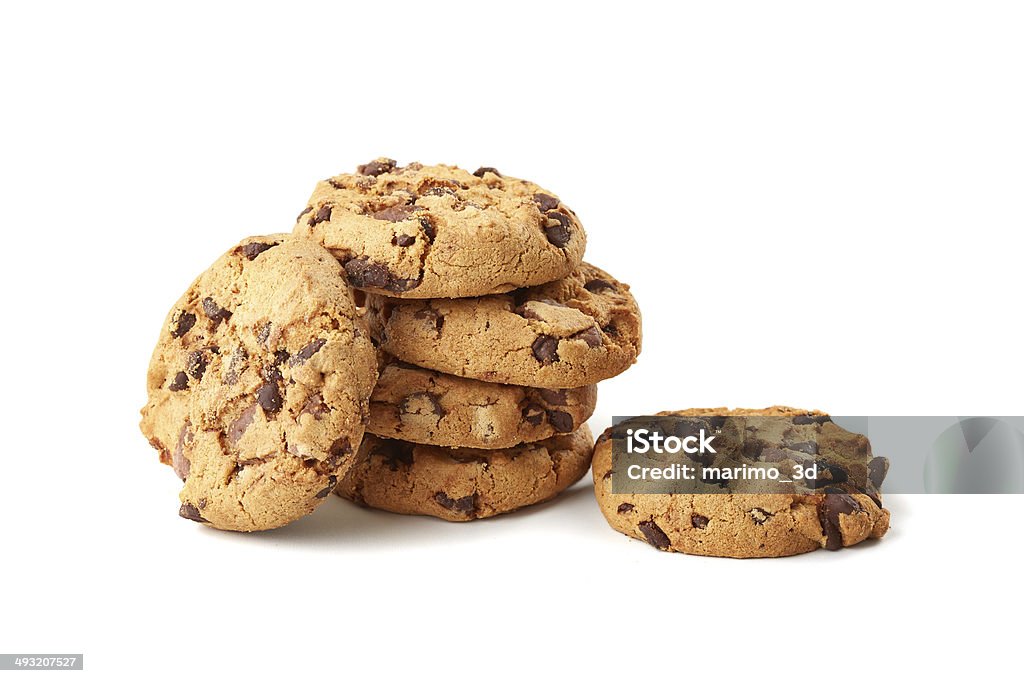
474,308
491,332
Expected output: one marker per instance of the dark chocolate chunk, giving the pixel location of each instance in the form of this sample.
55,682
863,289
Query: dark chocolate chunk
877,469
322,214
545,201
545,349
196,364
597,284
591,335
376,167
654,535
304,212
236,365
533,414
464,505
698,521
760,516
479,173
254,249
625,507
183,323
404,240
808,447
269,397
555,397
395,454
363,272
307,352
179,382
395,214
332,481
213,311
190,511
831,507
557,228
811,419
561,421
428,228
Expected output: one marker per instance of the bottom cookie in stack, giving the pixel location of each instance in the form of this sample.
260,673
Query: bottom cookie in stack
463,484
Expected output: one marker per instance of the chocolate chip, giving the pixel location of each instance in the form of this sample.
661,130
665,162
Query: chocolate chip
877,469
365,273
332,481
561,421
322,214
404,240
196,364
307,352
190,511
238,426
591,335
269,397
376,167
428,227
395,453
479,173
533,414
654,535
304,212
526,312
811,419
760,516
395,214
213,311
182,324
698,521
555,397
179,461
597,284
434,317
625,507
831,507
545,349
557,228
464,505
545,201
610,330
236,365
254,249
808,447
179,382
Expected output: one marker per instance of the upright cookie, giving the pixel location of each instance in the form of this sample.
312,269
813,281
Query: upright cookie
568,333
751,525
259,385
438,231
429,407
463,484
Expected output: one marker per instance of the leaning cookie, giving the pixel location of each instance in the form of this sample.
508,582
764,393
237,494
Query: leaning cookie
459,485
429,407
439,231
746,525
259,385
569,333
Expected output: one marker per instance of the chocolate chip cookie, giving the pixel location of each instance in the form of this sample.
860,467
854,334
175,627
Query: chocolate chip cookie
755,525
569,333
429,407
463,484
439,231
259,385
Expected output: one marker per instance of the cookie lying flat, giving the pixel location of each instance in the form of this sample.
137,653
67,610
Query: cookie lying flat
746,525
568,333
463,484
259,385
429,407
439,231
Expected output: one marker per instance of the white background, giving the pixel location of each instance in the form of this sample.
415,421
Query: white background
816,204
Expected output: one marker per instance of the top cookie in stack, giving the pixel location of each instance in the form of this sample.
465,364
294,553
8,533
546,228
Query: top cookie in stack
492,329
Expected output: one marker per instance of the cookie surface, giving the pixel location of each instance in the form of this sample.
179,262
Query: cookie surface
569,333
439,231
430,407
746,525
259,385
462,484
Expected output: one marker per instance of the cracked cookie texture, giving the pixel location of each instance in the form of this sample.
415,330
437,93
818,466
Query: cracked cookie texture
568,333
745,525
259,385
421,232
425,406
463,484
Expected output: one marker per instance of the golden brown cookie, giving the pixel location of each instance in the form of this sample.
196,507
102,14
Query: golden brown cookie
259,385
439,231
465,483
569,333
429,407
748,525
